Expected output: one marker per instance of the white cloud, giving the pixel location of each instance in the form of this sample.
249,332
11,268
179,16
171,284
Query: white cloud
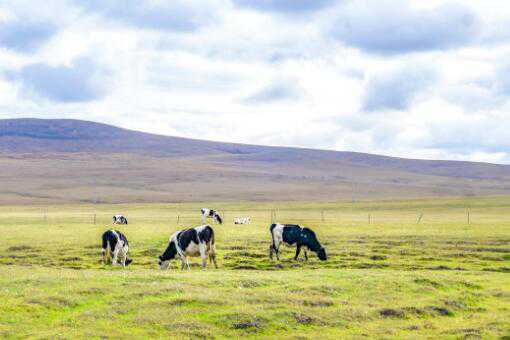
306,73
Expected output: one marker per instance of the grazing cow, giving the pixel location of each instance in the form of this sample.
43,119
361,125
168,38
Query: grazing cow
115,246
190,242
212,214
119,219
242,220
291,234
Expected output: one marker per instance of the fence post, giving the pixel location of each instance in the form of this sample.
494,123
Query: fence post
178,217
273,216
419,218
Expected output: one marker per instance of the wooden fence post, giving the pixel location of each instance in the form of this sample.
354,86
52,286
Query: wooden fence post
419,218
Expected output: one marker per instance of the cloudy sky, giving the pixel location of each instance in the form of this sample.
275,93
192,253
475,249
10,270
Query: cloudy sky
422,79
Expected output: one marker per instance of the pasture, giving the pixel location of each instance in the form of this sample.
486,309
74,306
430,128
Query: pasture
389,274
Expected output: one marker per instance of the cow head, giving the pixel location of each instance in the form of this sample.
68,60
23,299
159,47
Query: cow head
128,261
163,264
309,239
218,218
169,254
322,254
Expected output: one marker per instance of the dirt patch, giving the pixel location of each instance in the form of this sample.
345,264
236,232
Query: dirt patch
236,248
152,252
71,258
252,283
21,247
91,291
405,312
327,290
318,303
440,268
303,319
244,254
428,282
470,285
439,310
378,257
499,270
245,267
53,302
391,313
245,322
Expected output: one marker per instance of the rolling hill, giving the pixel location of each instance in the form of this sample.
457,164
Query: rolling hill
79,161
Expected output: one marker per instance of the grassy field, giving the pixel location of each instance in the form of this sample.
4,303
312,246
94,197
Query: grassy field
389,274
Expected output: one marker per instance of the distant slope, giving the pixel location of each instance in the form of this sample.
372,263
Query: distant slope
73,160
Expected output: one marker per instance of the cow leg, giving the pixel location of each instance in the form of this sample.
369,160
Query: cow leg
275,247
213,258
298,250
306,255
103,257
124,258
115,256
277,252
203,255
212,255
184,260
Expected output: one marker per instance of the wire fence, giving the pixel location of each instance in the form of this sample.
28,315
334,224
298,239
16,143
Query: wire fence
189,217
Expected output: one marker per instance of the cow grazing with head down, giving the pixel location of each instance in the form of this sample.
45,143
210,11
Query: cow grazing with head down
120,219
292,234
242,220
190,242
209,213
116,247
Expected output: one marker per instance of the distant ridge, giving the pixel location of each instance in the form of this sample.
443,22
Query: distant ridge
164,168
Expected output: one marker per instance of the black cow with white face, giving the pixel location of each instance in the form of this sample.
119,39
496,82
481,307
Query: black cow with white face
198,241
116,247
292,234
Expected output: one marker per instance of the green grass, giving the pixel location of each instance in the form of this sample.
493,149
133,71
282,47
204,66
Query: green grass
392,277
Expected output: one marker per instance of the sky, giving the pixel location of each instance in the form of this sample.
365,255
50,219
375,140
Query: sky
419,79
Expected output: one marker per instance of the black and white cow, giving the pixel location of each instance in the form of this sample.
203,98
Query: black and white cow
119,219
190,242
291,234
242,220
212,214
116,247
